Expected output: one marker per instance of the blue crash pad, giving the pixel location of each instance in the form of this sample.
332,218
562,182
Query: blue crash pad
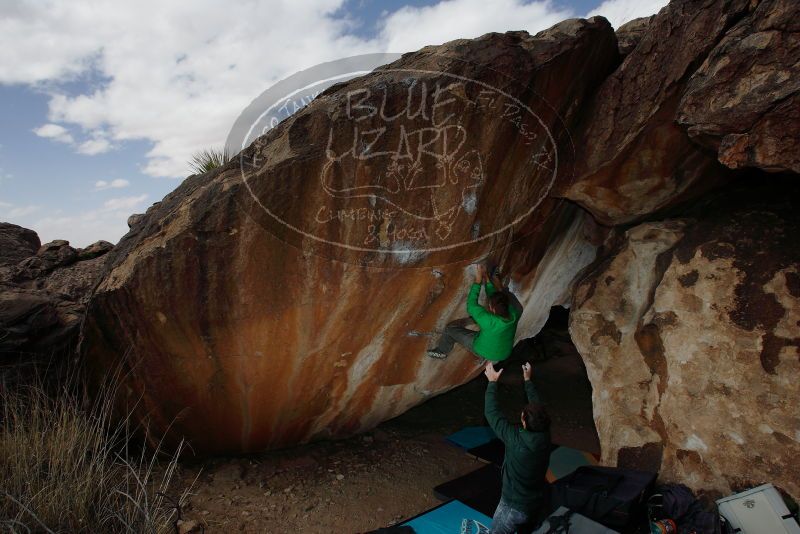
471,436
453,517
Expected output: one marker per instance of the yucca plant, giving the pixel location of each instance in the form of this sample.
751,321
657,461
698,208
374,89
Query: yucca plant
209,159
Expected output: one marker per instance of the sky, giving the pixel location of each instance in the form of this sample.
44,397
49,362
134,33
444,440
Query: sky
102,103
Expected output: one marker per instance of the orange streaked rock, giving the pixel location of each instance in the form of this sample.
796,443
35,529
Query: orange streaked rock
292,294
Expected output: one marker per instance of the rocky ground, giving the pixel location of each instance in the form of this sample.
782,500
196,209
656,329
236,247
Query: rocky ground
353,485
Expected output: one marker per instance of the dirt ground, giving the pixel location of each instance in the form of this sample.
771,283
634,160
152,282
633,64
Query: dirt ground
378,478
353,485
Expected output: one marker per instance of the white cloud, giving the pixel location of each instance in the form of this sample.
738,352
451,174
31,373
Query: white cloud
411,28
618,12
98,143
177,74
81,229
184,93
10,212
109,222
22,211
178,77
56,132
123,203
119,183
94,146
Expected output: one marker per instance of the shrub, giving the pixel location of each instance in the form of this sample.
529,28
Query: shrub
209,159
65,468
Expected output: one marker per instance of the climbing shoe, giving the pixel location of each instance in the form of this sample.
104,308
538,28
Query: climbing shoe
436,354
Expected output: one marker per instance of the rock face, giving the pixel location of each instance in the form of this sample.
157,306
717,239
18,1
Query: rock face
16,244
134,219
95,250
630,33
632,158
43,292
744,100
690,336
293,298
291,294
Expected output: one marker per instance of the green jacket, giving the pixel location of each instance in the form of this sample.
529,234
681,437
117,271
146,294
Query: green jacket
496,338
527,455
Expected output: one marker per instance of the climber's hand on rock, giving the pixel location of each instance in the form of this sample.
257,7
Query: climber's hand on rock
480,273
491,374
527,370
498,283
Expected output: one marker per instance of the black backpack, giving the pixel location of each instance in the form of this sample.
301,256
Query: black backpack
611,496
677,502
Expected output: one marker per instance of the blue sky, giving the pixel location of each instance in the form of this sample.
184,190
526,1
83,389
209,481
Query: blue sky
101,105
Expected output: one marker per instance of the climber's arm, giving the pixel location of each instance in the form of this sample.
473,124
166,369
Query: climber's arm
501,427
530,389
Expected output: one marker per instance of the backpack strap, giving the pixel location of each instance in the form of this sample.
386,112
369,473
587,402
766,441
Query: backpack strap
560,524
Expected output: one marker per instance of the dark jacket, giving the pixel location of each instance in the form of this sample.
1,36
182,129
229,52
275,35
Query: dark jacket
527,455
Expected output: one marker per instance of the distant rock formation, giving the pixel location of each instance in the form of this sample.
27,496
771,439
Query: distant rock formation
43,292
630,33
134,219
290,295
16,244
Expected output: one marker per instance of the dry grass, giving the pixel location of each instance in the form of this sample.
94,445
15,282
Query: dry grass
64,468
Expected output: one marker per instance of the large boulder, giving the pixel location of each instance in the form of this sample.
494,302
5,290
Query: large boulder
50,256
689,332
631,33
744,100
16,244
96,249
292,294
43,294
633,159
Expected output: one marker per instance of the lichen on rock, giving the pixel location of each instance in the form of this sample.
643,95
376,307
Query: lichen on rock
703,368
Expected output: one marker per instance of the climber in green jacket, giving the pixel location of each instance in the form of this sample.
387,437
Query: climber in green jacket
497,322
524,498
